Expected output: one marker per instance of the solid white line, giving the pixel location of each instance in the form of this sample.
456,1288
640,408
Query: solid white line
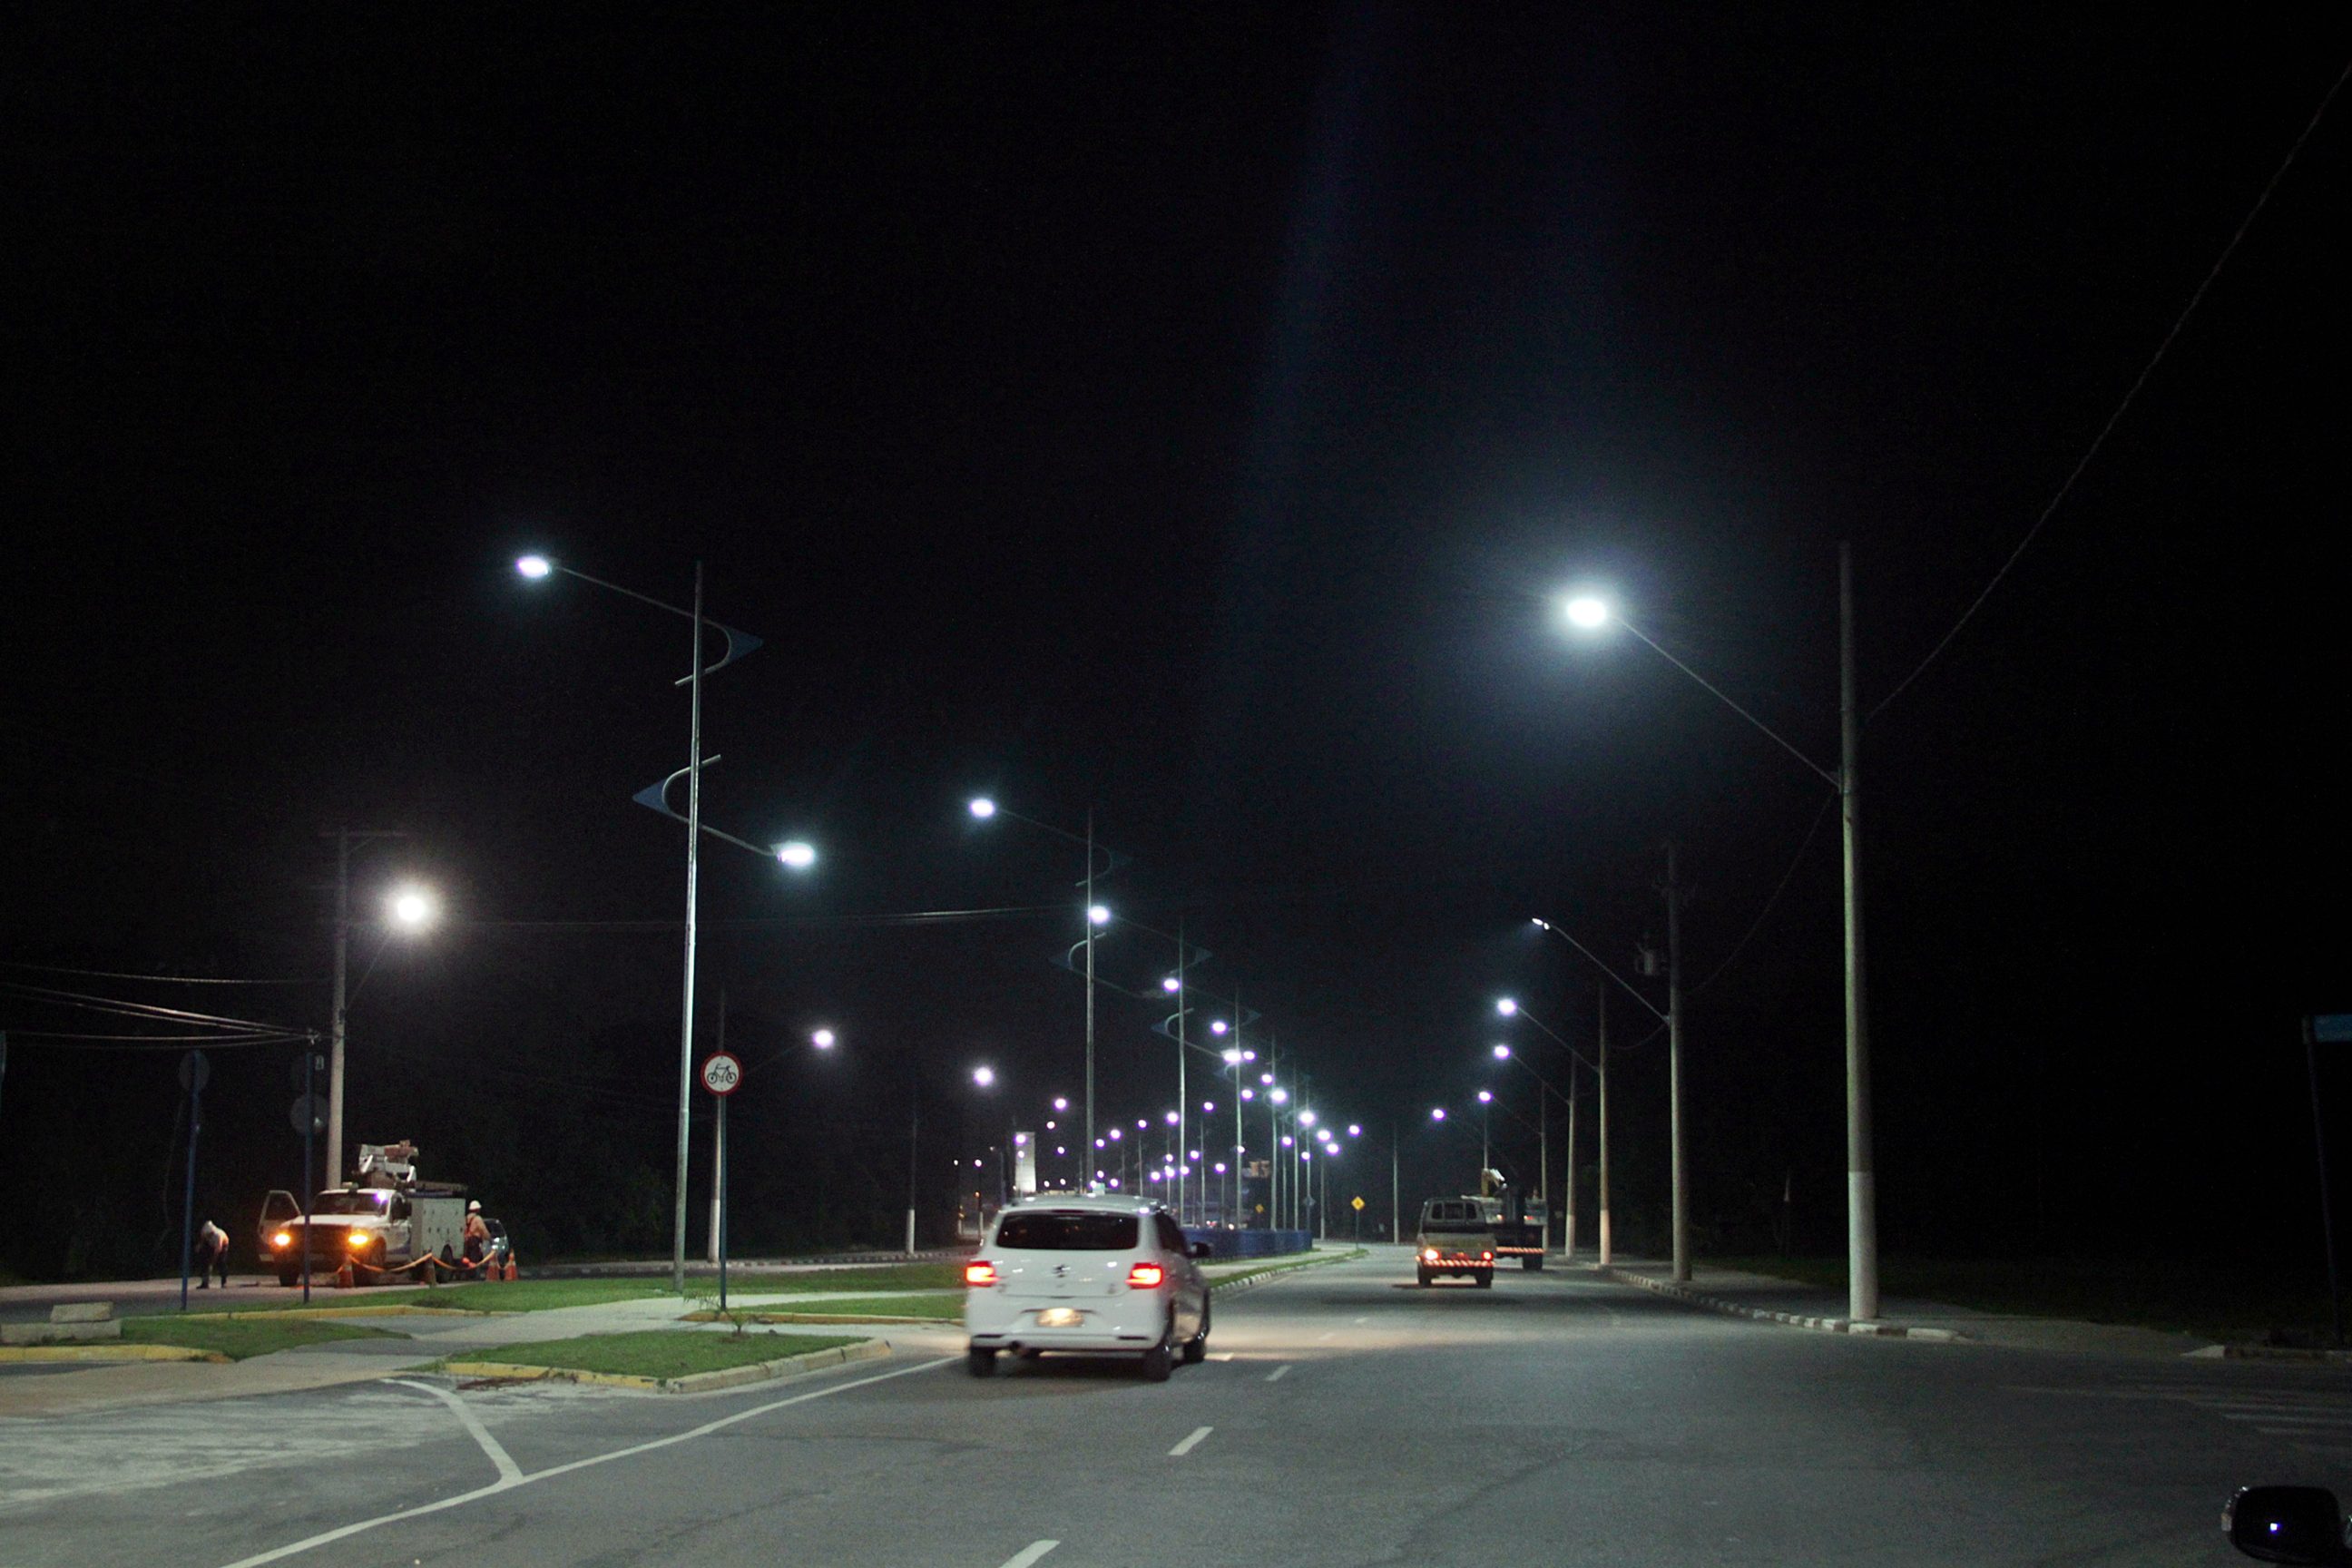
509,1471
1189,1444
1273,1376
1363,1319
1321,1337
344,1532
1030,1553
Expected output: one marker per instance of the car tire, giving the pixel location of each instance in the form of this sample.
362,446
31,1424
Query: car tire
1424,1278
1157,1362
1196,1349
1485,1278
979,1362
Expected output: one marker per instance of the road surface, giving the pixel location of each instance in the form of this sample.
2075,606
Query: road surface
1345,1417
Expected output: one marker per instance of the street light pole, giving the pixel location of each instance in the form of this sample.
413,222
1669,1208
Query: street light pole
1862,1178
1674,1064
685,1009
340,1003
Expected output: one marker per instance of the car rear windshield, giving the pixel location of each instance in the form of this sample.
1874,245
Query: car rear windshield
1066,1232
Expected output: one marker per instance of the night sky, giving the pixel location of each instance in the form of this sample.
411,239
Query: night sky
1188,414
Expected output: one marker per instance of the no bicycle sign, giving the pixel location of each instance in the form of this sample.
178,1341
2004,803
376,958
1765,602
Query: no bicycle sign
721,1074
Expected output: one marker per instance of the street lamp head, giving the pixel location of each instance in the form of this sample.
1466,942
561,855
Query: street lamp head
796,855
1587,611
1061,1103
1507,1007
1354,1130
983,1076
982,807
1171,984
1540,922
1142,1123
534,566
822,1039
1099,915
1208,1108
412,908
1279,1095
1114,1135
1249,1094
1217,1027
1502,1053
1169,1117
1306,1119
1486,1096
1437,1114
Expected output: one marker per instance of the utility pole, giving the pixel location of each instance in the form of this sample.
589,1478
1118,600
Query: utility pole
914,1135
1675,1063
1088,915
344,838
1602,1075
1861,1173
1395,1186
718,1139
1568,1185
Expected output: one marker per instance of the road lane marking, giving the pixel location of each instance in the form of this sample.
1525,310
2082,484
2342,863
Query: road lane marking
1273,1376
1363,1319
1327,1335
343,1532
1030,1553
1189,1444
503,1462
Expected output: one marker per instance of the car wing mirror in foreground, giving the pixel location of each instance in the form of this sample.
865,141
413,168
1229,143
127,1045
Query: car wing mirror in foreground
2286,1524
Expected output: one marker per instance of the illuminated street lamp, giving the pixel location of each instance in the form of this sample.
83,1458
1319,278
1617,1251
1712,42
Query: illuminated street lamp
409,910
1588,611
795,855
983,809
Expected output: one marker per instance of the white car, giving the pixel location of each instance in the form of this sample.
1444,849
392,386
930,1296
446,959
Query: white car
1094,1274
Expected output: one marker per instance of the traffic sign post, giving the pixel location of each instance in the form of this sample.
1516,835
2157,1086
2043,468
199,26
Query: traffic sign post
193,1070
722,1075
1357,1203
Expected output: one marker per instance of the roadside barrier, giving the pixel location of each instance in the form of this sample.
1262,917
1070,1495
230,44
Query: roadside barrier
431,1270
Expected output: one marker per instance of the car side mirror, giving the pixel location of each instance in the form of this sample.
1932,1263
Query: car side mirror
1199,1249
2286,1524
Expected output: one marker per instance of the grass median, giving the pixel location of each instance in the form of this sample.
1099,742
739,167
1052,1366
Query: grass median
240,1339
937,1306
659,1353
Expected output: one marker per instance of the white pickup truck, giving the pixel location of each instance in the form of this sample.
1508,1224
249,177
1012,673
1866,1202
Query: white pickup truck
382,1220
1454,1237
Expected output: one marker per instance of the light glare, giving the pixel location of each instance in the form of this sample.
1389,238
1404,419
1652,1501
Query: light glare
822,1039
796,855
534,566
412,908
984,808
1587,611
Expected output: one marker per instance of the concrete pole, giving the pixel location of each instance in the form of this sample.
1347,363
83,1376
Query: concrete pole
1395,1186
1183,1110
1568,1185
1861,1173
335,1020
686,1010
914,1135
1675,1064
1601,1075
718,1146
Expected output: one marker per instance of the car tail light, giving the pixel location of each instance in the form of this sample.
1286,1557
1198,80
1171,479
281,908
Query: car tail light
981,1273
1486,1257
1145,1277
283,1238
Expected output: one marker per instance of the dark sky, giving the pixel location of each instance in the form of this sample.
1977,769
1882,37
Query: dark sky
1189,415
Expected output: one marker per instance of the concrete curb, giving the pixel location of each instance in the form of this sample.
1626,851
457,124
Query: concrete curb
1792,1320
823,1317
97,1353
697,1383
386,1312
2270,1352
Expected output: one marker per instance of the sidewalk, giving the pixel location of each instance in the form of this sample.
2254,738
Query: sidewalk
1823,1309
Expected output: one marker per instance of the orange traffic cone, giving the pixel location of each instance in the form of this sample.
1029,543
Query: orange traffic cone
511,1268
343,1275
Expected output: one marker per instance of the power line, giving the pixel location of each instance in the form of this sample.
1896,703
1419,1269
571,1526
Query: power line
154,979
2129,397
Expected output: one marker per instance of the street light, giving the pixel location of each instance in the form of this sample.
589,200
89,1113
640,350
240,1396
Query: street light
1588,611
738,643
409,909
984,809
1599,1063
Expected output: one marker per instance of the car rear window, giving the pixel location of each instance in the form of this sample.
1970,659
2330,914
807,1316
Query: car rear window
1066,1232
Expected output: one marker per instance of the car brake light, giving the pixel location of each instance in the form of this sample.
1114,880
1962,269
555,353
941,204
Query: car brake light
282,1238
1145,1277
1486,1257
981,1273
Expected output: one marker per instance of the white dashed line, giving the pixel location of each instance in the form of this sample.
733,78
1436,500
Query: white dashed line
1276,1374
1189,1444
1325,1335
1030,1553
1363,1319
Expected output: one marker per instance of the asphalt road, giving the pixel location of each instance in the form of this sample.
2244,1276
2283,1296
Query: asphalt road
1344,1417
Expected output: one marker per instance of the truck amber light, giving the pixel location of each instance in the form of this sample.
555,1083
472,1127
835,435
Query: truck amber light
281,1239
357,1241
1145,1277
981,1273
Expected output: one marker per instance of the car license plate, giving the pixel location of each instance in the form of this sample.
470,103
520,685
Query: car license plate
1060,1318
